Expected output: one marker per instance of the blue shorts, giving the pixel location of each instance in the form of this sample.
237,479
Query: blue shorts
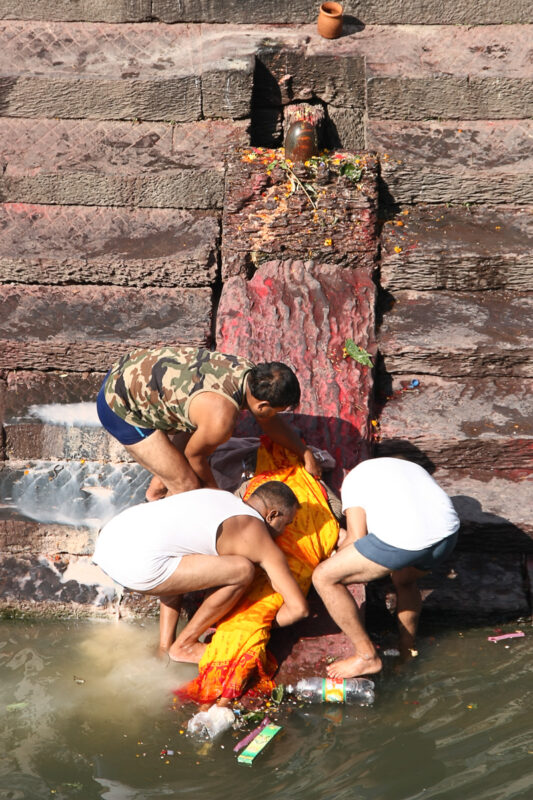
117,427
395,558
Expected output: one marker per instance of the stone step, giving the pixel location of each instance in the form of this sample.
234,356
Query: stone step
464,161
453,334
446,72
78,328
476,587
494,507
146,71
462,424
78,11
370,12
153,71
90,162
458,248
52,416
123,247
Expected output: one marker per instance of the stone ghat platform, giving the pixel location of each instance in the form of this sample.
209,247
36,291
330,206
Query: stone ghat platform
114,163
96,70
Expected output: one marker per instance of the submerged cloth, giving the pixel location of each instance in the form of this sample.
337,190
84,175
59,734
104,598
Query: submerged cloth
142,546
404,506
154,388
236,660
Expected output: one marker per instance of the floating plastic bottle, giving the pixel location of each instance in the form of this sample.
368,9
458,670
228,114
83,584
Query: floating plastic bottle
328,690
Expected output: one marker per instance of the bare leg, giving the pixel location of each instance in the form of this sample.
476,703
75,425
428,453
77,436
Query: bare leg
215,606
172,472
348,566
169,612
230,574
408,606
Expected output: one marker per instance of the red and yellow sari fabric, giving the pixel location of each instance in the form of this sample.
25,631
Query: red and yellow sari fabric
236,660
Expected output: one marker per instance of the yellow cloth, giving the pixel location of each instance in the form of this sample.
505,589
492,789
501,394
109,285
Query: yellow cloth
236,660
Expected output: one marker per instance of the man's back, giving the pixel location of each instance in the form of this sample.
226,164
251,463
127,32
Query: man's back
179,525
404,505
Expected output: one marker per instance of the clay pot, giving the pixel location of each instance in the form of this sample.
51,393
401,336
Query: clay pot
301,141
330,20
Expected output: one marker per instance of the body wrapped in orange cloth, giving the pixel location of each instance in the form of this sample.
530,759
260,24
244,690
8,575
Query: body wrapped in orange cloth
236,660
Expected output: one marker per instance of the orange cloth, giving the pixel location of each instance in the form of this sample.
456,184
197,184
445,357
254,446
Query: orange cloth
236,660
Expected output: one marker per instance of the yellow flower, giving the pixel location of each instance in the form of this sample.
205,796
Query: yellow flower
328,242
397,249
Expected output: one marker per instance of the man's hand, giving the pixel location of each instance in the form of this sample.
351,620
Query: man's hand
311,464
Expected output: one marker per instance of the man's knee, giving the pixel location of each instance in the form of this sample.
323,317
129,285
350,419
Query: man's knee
320,577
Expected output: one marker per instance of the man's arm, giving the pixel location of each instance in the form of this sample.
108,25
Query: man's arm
214,418
356,523
284,434
282,580
249,537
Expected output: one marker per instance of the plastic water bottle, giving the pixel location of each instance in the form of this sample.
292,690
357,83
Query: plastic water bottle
330,690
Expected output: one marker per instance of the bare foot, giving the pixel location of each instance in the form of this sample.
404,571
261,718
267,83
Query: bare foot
191,653
354,666
156,489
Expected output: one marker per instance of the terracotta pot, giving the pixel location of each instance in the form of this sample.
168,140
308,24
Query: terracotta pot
330,20
301,141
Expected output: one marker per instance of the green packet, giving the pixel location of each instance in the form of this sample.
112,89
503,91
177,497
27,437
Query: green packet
258,744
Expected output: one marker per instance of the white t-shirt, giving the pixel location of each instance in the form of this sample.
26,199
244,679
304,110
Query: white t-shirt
404,506
142,546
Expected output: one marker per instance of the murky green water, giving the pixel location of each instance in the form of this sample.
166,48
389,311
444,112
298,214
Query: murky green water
86,709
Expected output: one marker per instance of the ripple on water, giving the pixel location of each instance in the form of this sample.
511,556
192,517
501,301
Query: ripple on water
86,710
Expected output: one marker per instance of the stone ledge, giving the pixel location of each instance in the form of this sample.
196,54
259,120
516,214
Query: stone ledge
84,162
494,508
57,586
449,97
77,10
468,587
418,72
452,334
370,12
125,247
458,248
486,161
143,71
79,328
493,430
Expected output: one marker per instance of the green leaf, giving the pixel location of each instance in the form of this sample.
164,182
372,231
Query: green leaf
351,171
358,353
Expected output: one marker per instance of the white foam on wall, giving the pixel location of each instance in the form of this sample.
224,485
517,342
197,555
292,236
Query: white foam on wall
72,414
84,494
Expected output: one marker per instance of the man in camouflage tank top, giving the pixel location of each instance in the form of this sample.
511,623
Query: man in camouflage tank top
173,406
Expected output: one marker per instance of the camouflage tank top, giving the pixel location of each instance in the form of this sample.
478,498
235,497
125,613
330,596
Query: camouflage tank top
154,388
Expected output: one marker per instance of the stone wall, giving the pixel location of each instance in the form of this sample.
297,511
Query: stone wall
130,218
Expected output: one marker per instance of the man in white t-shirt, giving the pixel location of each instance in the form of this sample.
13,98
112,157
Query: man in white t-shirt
202,539
399,521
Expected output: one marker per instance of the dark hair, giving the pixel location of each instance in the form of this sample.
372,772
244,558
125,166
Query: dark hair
276,493
276,383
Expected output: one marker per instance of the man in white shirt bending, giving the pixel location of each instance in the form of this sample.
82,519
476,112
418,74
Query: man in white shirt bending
399,522
202,539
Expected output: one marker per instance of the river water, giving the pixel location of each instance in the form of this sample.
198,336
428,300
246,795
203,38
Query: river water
86,711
